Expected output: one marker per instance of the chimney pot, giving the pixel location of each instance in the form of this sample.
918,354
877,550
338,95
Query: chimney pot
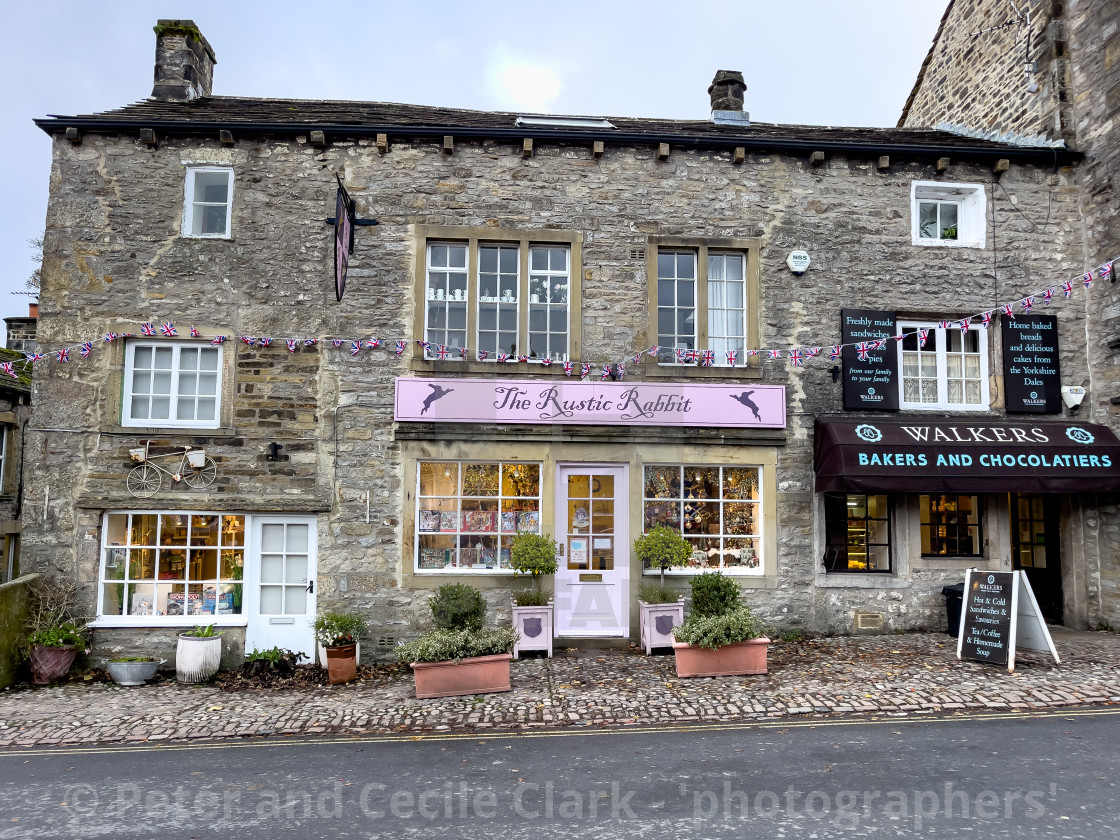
184,62
726,90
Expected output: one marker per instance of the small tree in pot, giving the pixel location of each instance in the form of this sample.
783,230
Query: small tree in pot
721,636
660,607
54,632
535,555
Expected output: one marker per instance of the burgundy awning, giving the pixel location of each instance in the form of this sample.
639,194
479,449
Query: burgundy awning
973,455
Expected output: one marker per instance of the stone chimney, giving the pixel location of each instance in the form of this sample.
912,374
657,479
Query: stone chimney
184,62
726,92
21,331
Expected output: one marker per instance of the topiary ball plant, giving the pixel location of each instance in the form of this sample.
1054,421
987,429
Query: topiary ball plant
717,617
535,555
663,548
457,606
714,594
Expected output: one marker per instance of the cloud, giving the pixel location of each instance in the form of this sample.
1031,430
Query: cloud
520,84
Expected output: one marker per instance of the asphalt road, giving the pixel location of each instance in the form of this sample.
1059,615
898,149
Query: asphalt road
995,776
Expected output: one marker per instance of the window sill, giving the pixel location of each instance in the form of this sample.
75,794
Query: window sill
948,243
859,580
663,371
160,622
193,431
955,409
746,579
946,562
553,371
228,237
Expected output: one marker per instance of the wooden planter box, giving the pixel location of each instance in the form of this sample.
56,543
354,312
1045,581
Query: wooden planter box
747,657
478,675
657,623
534,628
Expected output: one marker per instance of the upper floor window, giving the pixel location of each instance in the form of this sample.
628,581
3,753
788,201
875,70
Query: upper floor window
701,300
208,201
501,292
171,384
950,372
947,214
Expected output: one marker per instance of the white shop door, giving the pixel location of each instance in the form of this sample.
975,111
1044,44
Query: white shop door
281,585
593,581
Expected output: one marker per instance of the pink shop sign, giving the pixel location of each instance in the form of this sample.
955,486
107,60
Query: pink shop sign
589,403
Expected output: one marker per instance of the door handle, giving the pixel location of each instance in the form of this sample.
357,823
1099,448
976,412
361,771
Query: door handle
311,587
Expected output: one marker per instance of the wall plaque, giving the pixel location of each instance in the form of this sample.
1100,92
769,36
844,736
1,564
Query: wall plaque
1031,374
870,385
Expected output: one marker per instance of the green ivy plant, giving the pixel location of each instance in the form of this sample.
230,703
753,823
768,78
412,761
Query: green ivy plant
663,548
444,645
535,555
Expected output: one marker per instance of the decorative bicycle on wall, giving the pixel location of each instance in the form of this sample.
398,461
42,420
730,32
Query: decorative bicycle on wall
193,467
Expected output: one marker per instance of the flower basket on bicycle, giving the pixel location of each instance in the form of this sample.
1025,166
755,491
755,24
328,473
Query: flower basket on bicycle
193,467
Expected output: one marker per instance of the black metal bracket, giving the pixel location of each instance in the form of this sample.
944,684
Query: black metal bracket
330,220
835,371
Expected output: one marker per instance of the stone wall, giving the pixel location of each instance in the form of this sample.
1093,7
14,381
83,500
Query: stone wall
15,597
113,256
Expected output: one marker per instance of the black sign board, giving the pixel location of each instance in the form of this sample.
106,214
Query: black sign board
986,617
1032,380
343,237
870,385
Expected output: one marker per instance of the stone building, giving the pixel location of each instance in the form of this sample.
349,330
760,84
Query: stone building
377,446
15,412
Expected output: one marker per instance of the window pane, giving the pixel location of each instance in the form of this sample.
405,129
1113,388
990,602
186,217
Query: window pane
211,187
948,221
927,220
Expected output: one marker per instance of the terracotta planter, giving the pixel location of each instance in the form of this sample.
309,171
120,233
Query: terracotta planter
342,663
478,675
132,673
197,658
51,663
534,628
322,652
747,657
657,623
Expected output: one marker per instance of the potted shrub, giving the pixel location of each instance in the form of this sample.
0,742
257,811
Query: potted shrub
534,555
459,656
198,654
133,670
337,633
275,660
660,607
721,636
53,633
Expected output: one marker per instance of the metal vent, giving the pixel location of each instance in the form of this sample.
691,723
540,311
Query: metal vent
386,642
637,253
867,620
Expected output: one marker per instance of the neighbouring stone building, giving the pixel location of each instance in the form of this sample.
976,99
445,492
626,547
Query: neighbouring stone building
377,446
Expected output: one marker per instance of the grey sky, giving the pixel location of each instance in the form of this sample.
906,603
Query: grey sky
820,62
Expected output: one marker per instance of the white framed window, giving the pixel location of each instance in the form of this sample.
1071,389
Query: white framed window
467,514
171,567
4,430
676,303
499,298
948,215
717,509
171,384
209,202
949,373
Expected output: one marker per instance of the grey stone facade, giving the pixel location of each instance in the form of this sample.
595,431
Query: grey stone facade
114,257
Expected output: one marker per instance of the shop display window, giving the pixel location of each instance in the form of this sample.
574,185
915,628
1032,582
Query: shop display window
857,532
161,564
951,526
717,509
467,514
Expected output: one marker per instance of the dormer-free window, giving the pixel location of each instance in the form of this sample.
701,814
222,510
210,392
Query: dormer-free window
209,199
948,215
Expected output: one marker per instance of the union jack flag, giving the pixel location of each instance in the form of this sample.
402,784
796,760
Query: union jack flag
963,323
503,357
638,359
621,370
986,317
547,361
522,359
463,352
372,343
337,342
147,329
10,369
654,350
248,339
482,354
218,339
585,369
195,333
1009,311
682,355
732,357
814,351
835,351
568,368
1105,271
34,357
863,348
923,334
292,344
63,355
1087,279
168,329
708,359
86,349
878,345
442,351
774,354
399,347
1048,296
944,325
606,372
752,352
311,342
265,342
111,337
1067,288
1027,303
425,344
795,357
899,337
355,348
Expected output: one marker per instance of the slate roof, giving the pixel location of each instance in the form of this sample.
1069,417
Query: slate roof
21,384
345,118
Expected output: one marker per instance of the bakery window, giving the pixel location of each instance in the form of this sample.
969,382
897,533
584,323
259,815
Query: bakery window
857,532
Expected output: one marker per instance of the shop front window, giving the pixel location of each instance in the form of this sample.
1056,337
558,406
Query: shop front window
857,533
717,509
467,514
951,526
163,565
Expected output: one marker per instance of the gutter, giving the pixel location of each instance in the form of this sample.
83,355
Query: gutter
1031,154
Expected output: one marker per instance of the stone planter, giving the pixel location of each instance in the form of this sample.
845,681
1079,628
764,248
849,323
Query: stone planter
534,628
478,675
342,663
197,658
747,657
51,663
133,673
657,622
322,652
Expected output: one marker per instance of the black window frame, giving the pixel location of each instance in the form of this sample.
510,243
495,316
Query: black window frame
838,534
950,517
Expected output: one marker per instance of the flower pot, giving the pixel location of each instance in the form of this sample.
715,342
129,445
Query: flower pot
657,622
534,628
747,657
322,651
342,663
133,673
197,658
477,675
51,663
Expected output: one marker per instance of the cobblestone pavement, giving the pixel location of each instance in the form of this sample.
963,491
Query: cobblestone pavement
892,675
